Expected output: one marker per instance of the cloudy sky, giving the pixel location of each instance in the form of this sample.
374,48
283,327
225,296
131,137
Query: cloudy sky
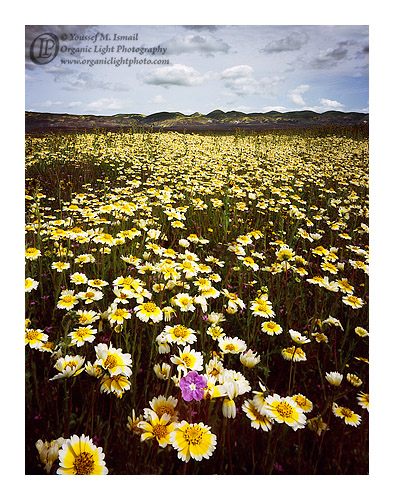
149,68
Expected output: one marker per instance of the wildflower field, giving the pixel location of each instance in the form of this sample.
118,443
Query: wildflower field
197,303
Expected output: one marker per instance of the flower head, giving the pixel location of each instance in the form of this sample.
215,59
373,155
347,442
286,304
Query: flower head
294,354
30,284
363,400
232,345
334,378
161,405
90,295
354,379
258,420
188,359
117,384
67,300
285,410
82,334
193,441
317,425
158,428
35,338
353,302
60,266
70,366
347,414
192,386
162,371
179,334
149,311
249,358
49,452
79,455
271,328
113,360
303,403
298,338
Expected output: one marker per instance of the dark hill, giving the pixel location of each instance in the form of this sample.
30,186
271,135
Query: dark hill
216,120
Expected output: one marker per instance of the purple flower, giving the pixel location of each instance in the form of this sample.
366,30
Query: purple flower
192,386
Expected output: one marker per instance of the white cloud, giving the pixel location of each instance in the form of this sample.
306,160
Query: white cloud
178,74
329,104
158,99
330,58
50,103
74,104
294,41
241,71
85,81
240,81
205,44
295,95
104,104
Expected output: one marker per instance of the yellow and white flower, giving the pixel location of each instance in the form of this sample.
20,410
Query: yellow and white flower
79,456
193,441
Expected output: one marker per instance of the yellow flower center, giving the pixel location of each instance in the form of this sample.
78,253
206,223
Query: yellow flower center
215,332
285,255
84,463
301,401
229,347
110,362
270,326
67,298
159,430
180,332
187,360
193,435
118,314
71,364
346,412
89,295
164,408
284,409
82,332
149,307
32,335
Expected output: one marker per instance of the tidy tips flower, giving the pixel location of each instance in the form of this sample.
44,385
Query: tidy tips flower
157,427
334,378
193,441
285,410
79,456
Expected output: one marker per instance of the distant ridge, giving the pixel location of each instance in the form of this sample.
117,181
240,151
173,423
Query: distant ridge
216,120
